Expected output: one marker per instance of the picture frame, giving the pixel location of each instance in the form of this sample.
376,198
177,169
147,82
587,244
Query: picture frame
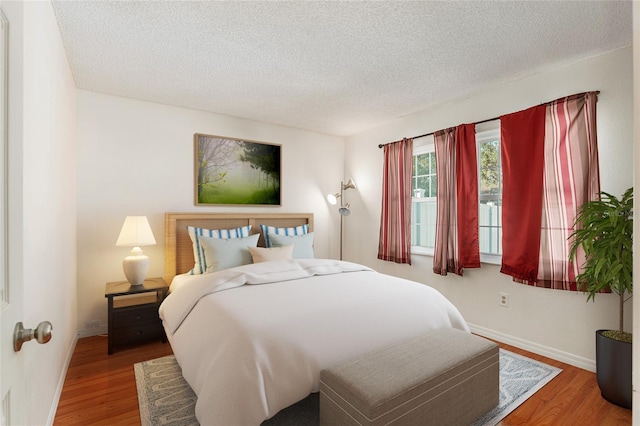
231,171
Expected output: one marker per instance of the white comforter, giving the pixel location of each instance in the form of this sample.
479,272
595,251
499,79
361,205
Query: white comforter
250,350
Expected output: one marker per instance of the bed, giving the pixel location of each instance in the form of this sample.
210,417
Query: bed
252,339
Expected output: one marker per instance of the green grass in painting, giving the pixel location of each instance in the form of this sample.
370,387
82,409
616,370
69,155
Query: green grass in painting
210,195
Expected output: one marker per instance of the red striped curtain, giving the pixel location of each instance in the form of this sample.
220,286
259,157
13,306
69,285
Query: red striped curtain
457,244
571,178
395,223
552,152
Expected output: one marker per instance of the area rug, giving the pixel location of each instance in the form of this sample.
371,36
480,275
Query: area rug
165,398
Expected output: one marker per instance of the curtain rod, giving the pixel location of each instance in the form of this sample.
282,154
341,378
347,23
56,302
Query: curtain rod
570,97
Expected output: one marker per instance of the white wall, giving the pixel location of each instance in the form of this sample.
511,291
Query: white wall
636,234
137,158
49,207
556,323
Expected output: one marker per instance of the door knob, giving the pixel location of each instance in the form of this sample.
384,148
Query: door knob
42,334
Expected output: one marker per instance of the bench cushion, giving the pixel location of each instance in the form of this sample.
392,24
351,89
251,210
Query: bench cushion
445,377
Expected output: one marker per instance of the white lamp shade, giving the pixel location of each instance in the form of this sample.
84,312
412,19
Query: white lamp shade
332,199
136,232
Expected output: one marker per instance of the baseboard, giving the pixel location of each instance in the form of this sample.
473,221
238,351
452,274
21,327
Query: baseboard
566,357
63,375
96,331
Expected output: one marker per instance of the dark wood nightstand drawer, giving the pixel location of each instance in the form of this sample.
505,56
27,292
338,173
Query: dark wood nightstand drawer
132,315
138,334
133,312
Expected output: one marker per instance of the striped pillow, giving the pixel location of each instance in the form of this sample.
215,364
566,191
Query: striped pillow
200,266
296,230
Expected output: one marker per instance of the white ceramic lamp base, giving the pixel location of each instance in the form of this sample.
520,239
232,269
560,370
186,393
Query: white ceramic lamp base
135,267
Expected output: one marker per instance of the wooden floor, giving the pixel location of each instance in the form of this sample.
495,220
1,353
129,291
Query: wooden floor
100,389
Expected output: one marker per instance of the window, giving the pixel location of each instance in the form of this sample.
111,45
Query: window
490,195
424,186
423,201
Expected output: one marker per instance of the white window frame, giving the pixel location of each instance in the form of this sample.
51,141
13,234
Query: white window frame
423,147
486,132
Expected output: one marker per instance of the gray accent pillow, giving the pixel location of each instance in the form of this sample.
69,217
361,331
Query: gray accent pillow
302,244
223,253
195,234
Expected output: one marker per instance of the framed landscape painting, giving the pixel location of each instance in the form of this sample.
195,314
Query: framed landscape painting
236,172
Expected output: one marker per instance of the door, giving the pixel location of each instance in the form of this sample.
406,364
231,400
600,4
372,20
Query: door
12,386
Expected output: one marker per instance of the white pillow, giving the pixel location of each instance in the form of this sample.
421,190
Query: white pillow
223,253
200,265
263,254
268,231
302,244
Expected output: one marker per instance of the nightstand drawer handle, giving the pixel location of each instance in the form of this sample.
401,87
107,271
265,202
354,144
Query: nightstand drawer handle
139,317
139,333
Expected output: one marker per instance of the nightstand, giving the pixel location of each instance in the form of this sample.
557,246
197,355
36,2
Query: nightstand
133,312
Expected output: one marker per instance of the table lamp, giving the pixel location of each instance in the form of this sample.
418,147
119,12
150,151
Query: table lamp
135,232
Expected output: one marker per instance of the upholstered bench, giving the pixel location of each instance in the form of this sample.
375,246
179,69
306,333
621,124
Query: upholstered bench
445,377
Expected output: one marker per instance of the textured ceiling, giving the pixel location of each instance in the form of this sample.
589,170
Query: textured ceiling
332,67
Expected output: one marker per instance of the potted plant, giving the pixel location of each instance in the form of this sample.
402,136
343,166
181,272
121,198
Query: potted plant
604,230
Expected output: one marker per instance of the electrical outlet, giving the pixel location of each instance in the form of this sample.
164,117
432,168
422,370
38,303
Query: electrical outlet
92,324
504,299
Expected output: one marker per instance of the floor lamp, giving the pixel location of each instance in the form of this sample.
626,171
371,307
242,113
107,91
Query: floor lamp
344,207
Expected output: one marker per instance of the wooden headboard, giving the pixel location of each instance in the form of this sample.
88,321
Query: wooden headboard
178,249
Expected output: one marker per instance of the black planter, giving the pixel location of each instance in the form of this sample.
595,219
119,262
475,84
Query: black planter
613,369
